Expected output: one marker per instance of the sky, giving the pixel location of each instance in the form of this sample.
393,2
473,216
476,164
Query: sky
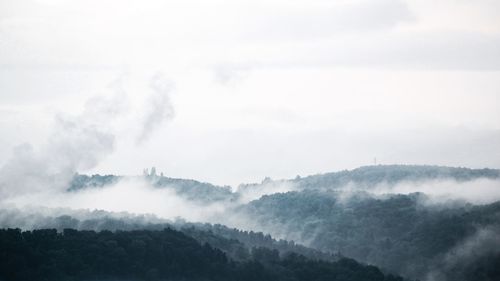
235,91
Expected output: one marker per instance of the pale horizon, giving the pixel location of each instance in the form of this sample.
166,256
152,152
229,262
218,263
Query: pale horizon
232,92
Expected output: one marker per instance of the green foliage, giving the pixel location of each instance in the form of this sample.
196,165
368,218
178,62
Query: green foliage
367,177
154,255
395,232
195,190
189,189
370,176
94,181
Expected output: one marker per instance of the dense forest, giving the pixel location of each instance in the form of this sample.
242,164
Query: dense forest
189,189
395,232
364,177
370,176
236,244
316,218
155,255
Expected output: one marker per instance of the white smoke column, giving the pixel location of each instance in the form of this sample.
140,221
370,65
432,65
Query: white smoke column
76,142
159,106
79,142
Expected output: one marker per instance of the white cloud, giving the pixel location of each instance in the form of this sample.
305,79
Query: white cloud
180,33
159,106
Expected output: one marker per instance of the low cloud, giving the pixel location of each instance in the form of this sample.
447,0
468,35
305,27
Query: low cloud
79,142
132,195
485,242
479,191
249,192
76,142
159,108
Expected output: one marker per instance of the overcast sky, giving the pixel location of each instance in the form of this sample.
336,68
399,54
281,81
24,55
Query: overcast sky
233,91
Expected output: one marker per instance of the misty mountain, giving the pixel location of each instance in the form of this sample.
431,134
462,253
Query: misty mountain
236,244
79,182
398,232
373,176
371,214
155,255
260,116
362,178
195,190
370,176
187,188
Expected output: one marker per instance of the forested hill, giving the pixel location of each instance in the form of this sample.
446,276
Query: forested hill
187,188
397,232
363,177
371,176
392,174
413,235
237,244
155,255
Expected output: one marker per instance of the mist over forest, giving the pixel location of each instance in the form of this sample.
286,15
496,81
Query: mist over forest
213,140
419,222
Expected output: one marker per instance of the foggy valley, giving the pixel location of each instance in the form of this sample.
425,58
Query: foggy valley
250,140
